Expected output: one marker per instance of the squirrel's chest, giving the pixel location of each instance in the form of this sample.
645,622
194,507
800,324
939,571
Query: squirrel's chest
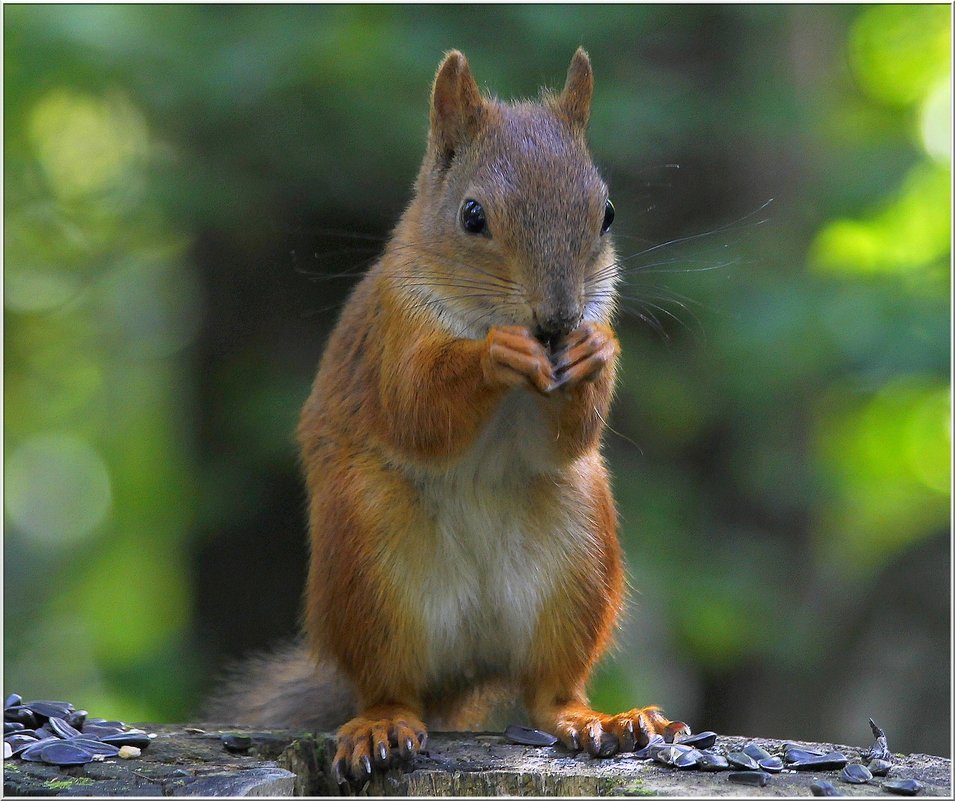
500,541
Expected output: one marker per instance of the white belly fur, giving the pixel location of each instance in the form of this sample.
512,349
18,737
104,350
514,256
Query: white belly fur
495,555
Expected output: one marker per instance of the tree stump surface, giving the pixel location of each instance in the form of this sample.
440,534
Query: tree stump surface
190,760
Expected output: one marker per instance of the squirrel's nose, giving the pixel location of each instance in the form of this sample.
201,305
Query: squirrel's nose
557,325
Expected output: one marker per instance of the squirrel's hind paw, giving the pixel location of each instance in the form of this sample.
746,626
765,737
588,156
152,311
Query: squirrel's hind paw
371,742
603,735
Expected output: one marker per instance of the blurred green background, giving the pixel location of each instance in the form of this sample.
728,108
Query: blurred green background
183,184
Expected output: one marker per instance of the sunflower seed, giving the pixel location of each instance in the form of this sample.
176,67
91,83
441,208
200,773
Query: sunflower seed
704,739
880,767
522,735
61,728
19,741
855,774
742,761
903,786
796,753
20,714
823,788
49,709
236,743
127,738
711,762
772,764
688,759
750,777
63,753
756,752
831,761
95,747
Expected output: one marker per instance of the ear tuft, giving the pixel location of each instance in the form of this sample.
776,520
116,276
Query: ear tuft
457,107
574,100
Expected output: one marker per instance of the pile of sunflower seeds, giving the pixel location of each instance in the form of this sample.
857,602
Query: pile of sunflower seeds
753,765
56,733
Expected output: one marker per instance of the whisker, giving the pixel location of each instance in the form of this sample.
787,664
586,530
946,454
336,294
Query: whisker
342,233
614,431
650,319
703,234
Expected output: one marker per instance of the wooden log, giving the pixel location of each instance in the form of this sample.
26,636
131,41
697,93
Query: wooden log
192,761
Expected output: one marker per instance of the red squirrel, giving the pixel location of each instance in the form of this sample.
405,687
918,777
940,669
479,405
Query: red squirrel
463,531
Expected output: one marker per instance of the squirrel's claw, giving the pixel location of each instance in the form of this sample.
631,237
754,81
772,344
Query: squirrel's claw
583,355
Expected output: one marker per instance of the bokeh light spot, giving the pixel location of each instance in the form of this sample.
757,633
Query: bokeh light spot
935,125
899,51
85,144
57,489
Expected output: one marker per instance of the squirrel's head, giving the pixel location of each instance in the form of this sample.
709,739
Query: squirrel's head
509,225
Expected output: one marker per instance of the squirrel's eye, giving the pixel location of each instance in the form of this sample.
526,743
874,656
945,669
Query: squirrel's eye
472,217
608,218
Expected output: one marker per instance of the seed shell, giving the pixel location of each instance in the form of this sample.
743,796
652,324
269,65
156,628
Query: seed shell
128,738
522,735
668,754
705,739
855,774
50,709
834,760
796,753
880,748
880,767
32,752
750,777
236,743
129,752
756,752
95,746
712,762
63,753
95,730
19,741
903,786
688,759
824,788
772,764
77,718
61,728
20,714
650,749
742,761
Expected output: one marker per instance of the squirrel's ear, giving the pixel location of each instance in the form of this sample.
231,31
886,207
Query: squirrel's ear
457,108
574,101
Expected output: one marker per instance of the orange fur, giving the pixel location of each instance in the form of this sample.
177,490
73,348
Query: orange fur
463,529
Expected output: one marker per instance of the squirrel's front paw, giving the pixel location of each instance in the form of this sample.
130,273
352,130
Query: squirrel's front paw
366,742
583,354
514,357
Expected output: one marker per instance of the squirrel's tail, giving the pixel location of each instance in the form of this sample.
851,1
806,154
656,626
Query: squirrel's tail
283,689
